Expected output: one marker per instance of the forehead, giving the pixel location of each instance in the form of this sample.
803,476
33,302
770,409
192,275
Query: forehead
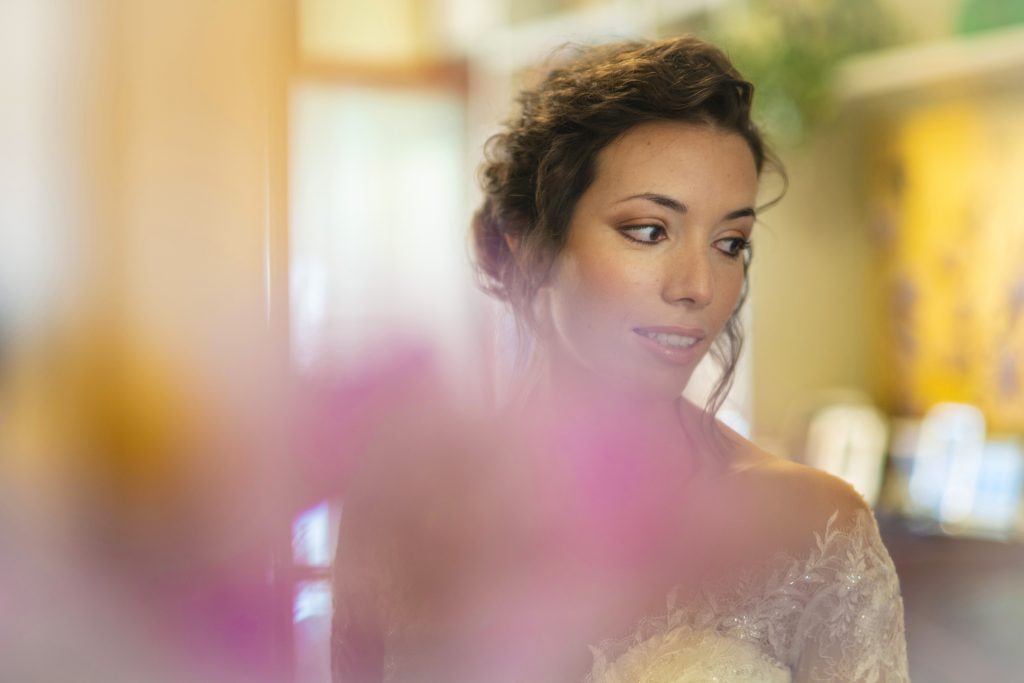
676,157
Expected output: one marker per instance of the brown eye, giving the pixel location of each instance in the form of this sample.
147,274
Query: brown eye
644,234
733,246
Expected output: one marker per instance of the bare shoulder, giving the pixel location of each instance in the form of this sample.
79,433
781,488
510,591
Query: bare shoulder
789,501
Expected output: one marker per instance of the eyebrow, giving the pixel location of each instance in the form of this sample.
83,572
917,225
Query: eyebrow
741,213
660,199
679,207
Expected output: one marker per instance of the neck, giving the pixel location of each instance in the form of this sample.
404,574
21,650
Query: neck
563,389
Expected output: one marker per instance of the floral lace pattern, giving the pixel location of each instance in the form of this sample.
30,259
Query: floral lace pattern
832,615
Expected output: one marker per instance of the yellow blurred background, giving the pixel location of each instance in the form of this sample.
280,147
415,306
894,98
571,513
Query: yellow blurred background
209,206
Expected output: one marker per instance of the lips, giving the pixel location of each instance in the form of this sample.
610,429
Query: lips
676,345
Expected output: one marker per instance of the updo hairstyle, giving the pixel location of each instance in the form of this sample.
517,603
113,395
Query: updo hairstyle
538,167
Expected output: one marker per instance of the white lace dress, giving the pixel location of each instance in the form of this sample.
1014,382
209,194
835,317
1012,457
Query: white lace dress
833,615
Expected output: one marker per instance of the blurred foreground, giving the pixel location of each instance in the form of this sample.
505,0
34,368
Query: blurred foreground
157,294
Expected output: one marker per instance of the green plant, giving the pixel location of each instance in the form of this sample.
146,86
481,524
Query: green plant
789,49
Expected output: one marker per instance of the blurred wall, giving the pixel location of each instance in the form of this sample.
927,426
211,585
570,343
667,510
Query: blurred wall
141,392
811,299
385,31
949,254
924,20
860,285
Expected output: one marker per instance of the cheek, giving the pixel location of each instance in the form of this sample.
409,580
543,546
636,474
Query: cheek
602,289
730,287
593,295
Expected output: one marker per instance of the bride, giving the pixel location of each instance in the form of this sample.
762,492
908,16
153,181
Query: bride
608,530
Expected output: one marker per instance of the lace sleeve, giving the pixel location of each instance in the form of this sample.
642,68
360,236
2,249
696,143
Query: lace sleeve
852,627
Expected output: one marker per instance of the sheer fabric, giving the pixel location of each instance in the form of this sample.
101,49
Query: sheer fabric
834,615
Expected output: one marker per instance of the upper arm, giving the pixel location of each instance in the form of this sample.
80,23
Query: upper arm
357,640
852,626
836,496
800,501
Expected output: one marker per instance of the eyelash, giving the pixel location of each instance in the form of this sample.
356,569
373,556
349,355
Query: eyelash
737,247
627,229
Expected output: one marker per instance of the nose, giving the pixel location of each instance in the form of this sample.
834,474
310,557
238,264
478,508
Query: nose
689,278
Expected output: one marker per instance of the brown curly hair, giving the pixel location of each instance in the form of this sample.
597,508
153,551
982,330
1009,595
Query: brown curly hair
544,160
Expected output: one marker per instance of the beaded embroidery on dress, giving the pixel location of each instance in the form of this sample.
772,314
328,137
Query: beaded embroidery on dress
833,615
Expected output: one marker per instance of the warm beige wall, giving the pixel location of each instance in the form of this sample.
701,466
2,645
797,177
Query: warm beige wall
810,290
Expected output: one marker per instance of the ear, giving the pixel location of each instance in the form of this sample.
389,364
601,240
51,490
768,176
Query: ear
512,241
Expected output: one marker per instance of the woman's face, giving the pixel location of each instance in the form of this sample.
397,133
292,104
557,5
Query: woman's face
653,264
